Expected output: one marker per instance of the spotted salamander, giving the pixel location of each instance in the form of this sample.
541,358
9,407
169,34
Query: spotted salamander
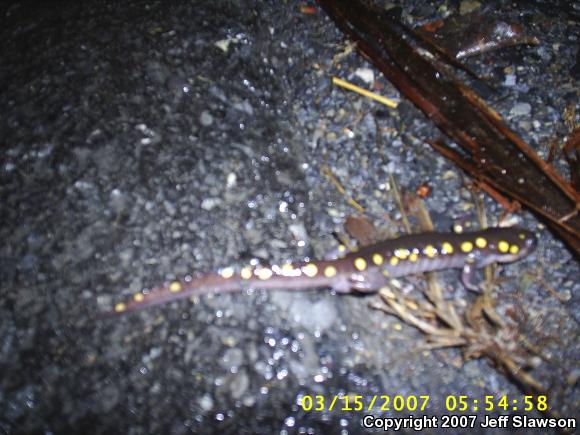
363,271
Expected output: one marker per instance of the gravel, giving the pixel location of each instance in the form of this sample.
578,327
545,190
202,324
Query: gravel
136,150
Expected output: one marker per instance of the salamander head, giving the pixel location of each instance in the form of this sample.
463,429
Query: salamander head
511,244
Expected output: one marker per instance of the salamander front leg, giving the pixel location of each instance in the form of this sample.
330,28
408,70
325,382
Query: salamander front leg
468,276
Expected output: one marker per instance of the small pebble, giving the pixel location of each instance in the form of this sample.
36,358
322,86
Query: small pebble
468,6
510,80
209,204
521,109
206,119
367,75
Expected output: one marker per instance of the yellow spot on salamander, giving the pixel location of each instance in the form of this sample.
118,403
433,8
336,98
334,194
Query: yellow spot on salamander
413,257
514,249
246,273
310,270
430,251
288,269
175,287
394,261
138,297
522,236
378,259
386,272
503,246
480,242
447,248
120,307
360,264
402,253
330,271
264,273
466,247
227,272
341,249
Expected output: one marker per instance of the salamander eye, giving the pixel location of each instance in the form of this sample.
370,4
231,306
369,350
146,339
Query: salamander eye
526,242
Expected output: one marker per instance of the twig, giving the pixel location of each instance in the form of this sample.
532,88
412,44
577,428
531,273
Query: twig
383,100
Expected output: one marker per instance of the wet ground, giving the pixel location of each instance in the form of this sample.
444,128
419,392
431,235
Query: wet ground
141,141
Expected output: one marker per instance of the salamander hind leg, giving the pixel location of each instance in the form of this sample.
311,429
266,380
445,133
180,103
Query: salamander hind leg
468,276
369,281
336,253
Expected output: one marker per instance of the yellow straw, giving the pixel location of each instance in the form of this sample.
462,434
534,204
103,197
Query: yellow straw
369,94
